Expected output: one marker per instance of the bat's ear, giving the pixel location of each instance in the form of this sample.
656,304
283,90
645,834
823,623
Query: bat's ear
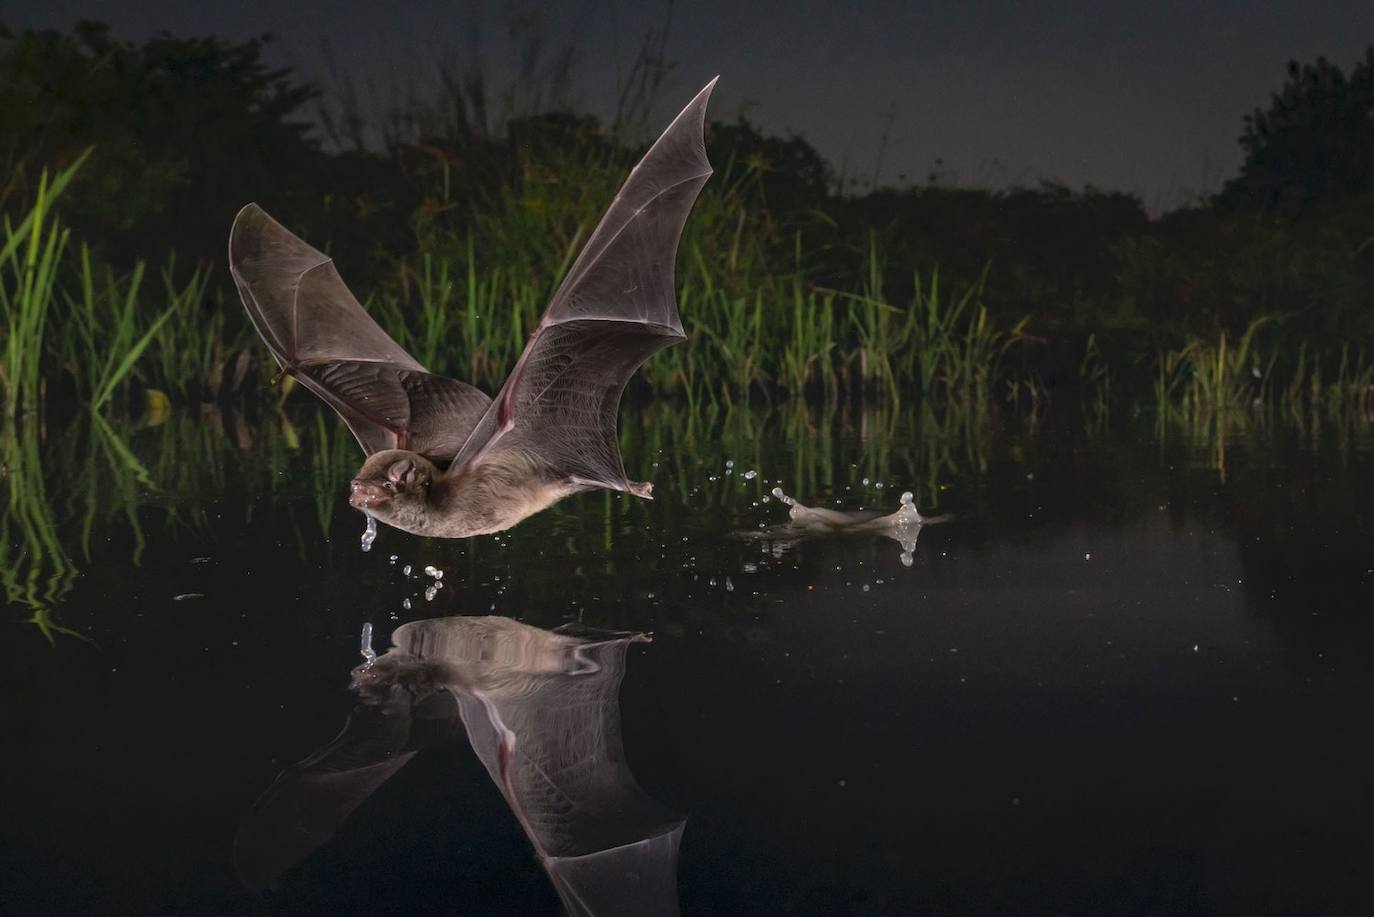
402,471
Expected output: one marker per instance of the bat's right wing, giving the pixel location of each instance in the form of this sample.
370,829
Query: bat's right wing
615,308
319,333
542,711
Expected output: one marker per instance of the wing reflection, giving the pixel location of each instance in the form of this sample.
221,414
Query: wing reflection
540,709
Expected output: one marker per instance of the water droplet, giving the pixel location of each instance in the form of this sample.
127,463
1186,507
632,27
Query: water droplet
365,643
370,533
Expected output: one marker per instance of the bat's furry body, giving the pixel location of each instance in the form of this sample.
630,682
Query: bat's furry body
489,497
444,459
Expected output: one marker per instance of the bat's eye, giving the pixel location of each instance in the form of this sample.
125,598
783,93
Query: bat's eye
389,486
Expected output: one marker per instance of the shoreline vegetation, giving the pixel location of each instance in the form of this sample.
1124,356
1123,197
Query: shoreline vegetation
77,489
124,164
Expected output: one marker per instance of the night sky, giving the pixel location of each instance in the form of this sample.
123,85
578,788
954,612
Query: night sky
1142,97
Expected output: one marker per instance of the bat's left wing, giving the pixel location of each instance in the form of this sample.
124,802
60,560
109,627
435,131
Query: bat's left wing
308,802
614,309
319,333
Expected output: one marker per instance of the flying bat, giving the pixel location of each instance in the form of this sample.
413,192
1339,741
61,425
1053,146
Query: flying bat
444,459
541,710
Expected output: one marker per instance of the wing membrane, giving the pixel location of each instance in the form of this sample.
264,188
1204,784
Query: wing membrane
614,309
319,332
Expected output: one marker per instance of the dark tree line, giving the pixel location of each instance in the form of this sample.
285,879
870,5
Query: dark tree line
187,130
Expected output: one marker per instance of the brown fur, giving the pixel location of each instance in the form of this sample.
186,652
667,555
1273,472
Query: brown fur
485,498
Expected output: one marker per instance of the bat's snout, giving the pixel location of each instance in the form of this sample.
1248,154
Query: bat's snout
365,494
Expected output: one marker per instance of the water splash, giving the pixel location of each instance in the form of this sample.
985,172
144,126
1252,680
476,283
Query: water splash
777,492
907,514
370,533
365,643
903,526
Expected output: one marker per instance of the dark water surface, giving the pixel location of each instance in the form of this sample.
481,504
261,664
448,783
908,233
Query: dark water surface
1135,676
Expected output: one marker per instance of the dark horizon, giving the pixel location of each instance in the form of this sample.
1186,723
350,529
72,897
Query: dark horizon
1149,103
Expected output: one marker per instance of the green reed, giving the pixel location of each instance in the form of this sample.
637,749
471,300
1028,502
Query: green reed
35,569
113,329
30,258
1259,367
69,317
465,300
193,350
947,348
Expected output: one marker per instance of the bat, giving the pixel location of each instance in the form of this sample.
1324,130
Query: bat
903,526
541,710
444,459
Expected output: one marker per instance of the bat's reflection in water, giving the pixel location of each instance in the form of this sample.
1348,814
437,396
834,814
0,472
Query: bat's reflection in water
540,709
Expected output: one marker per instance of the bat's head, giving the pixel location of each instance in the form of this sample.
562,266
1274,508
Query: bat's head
393,485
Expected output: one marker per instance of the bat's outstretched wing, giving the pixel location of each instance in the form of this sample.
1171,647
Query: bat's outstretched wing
319,333
542,712
309,802
615,309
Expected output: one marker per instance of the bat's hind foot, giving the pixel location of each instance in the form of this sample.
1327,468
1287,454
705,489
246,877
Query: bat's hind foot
638,488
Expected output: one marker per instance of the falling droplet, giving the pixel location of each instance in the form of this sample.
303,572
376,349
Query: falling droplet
370,533
365,644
